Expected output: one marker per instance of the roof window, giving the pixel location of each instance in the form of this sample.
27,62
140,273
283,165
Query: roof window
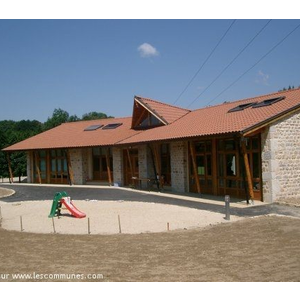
112,126
93,127
268,102
242,107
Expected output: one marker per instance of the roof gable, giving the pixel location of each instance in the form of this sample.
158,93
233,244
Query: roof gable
164,113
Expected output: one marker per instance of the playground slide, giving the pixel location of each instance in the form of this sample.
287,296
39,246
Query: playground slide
68,203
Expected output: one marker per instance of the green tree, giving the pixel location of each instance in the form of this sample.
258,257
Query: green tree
94,116
59,116
12,132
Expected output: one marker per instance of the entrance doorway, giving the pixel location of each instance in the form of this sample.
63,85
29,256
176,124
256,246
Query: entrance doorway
100,158
131,165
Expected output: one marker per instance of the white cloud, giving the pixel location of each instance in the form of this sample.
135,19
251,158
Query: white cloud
262,78
147,50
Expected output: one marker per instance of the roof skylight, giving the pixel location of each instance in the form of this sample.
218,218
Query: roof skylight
112,126
242,107
268,102
93,127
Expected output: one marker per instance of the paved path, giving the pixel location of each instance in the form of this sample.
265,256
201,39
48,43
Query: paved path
35,193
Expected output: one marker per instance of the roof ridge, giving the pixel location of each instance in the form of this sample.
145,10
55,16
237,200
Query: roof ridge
247,99
160,102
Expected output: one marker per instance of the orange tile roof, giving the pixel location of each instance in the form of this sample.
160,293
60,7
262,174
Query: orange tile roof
72,135
214,120
168,112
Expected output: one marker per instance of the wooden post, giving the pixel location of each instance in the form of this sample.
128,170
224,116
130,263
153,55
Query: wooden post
168,226
108,167
36,156
248,170
21,223
53,225
70,170
89,226
193,155
11,176
119,221
214,166
157,164
130,164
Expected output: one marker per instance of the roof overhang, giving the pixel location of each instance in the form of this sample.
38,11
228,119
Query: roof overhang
248,131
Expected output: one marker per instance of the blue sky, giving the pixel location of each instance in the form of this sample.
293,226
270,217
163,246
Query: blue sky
99,65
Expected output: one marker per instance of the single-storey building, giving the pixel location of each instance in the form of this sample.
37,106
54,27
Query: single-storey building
247,149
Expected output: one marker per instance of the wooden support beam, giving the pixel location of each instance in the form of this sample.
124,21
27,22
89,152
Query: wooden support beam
130,164
108,166
247,169
37,167
214,166
11,176
70,170
140,118
193,156
157,164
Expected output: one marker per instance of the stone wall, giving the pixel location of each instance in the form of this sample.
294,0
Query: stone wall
77,164
118,166
179,166
85,164
281,161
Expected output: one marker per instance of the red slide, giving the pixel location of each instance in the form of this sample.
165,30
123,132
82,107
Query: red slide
68,203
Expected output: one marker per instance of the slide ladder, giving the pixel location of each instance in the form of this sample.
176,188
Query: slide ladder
61,198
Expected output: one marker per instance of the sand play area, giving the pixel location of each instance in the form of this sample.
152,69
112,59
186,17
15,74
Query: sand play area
105,217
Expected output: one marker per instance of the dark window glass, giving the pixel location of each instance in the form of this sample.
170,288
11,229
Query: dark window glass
231,184
111,126
93,127
103,164
208,146
65,169
42,153
221,165
208,164
200,165
220,145
268,102
230,145
96,166
255,164
96,151
53,165
165,148
255,144
200,147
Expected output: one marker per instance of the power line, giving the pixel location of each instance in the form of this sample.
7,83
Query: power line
208,57
271,50
233,60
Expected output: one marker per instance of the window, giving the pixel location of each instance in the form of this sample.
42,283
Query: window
93,127
112,126
268,102
242,107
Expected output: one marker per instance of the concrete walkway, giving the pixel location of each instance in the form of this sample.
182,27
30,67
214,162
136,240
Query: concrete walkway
34,192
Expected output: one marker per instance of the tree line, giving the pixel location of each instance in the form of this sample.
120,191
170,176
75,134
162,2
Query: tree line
12,132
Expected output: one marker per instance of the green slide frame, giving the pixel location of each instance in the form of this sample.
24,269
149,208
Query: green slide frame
55,209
